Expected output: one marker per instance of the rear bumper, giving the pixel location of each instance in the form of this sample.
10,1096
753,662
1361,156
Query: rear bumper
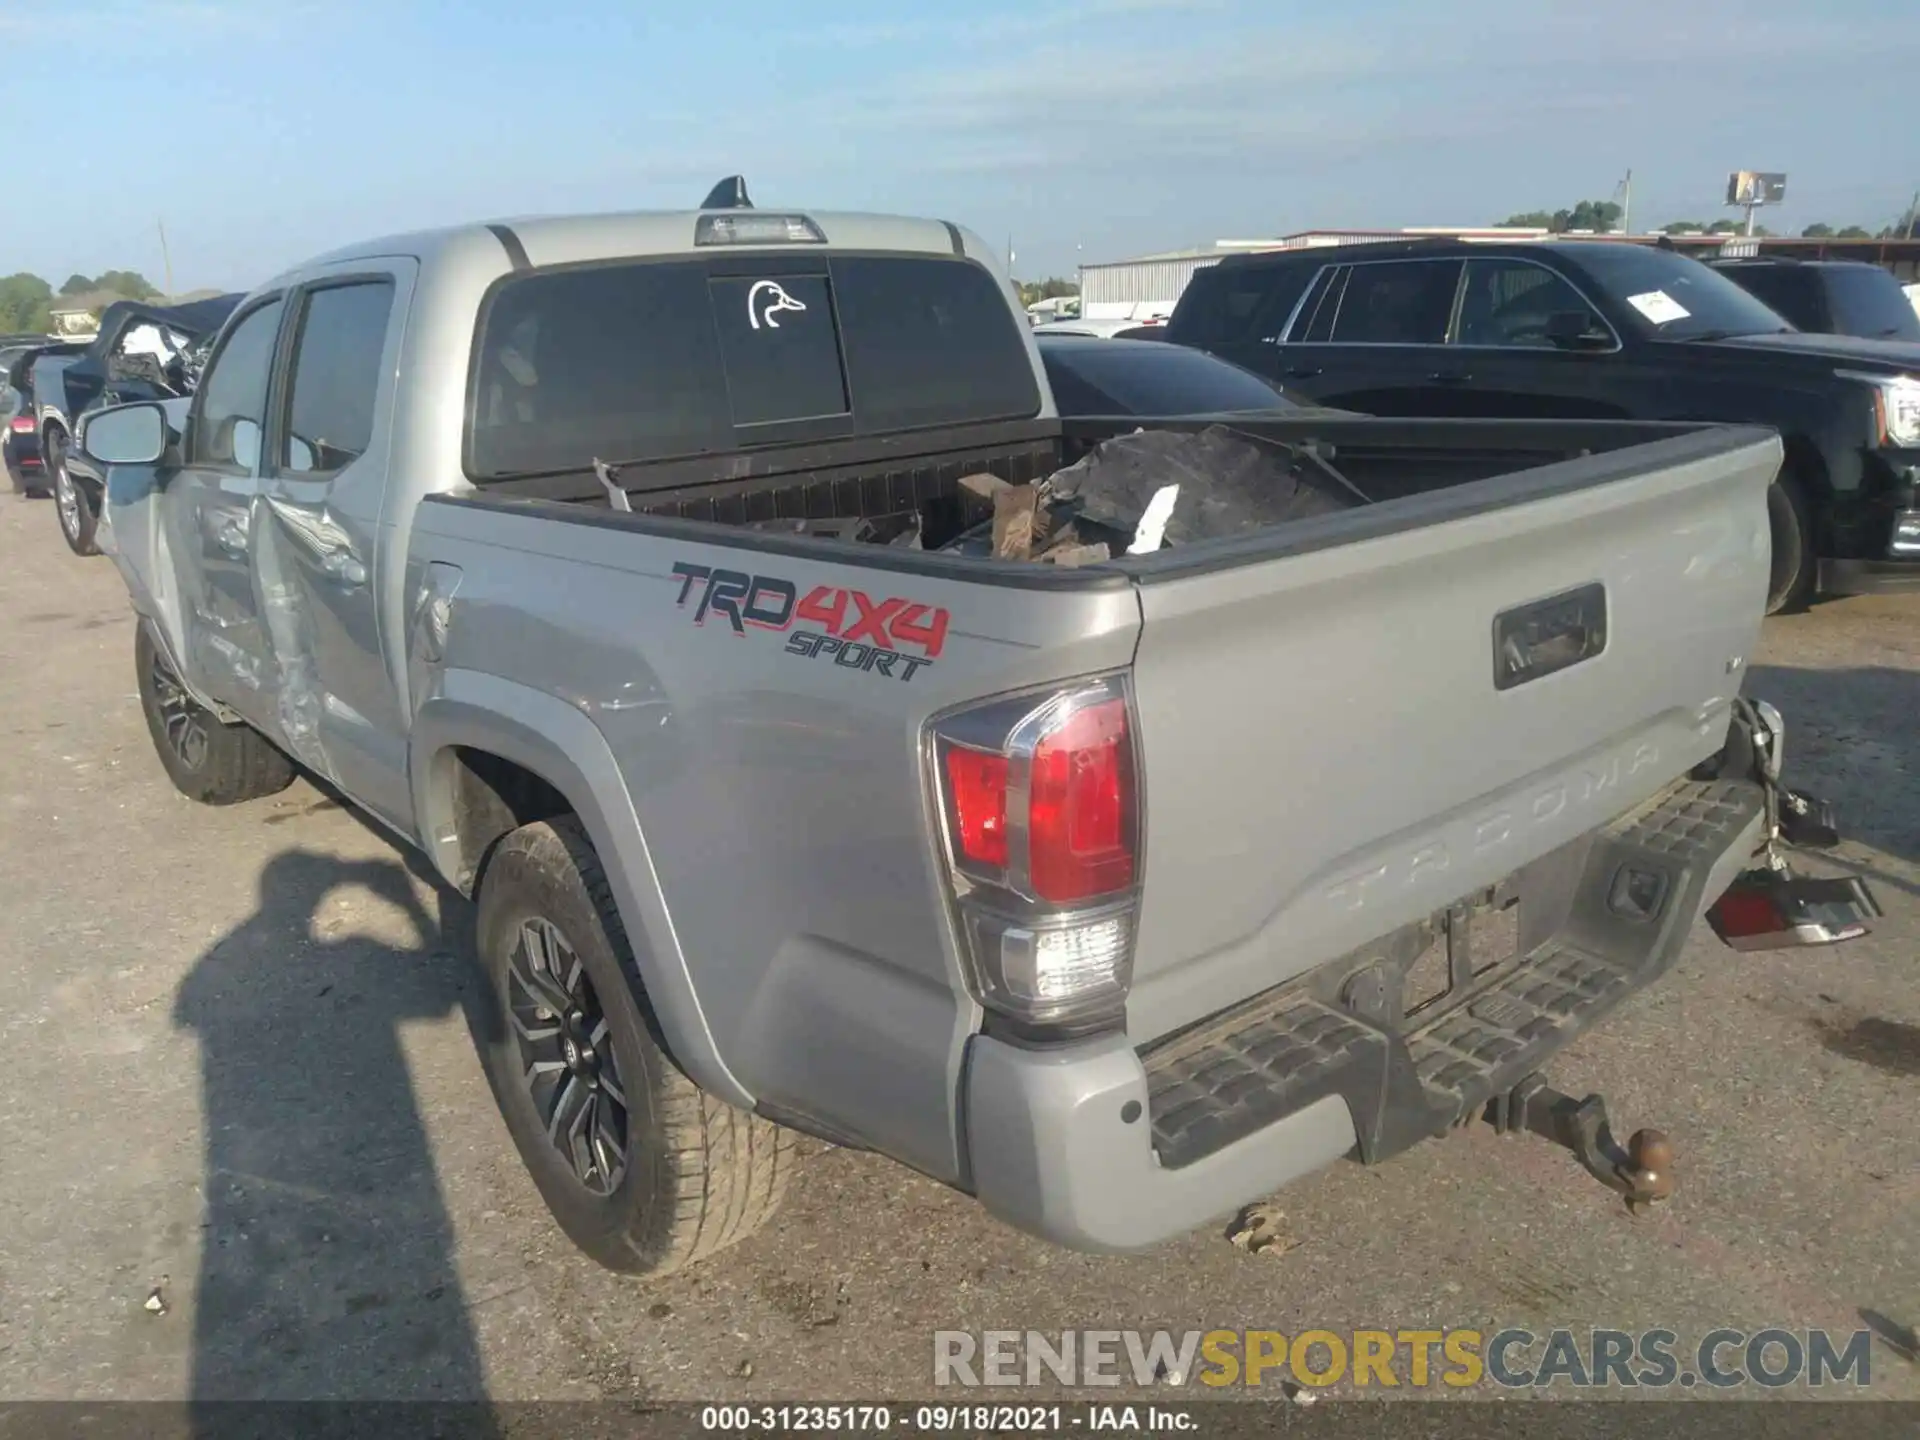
1101,1147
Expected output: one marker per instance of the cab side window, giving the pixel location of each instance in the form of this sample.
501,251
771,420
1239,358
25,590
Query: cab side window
233,395
1397,302
336,377
1509,302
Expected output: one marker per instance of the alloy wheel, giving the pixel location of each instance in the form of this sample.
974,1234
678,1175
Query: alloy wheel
566,1056
66,496
182,719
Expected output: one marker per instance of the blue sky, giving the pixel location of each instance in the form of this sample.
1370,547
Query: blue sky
268,130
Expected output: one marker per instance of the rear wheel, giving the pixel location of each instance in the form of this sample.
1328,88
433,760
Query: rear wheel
78,514
640,1169
1790,520
207,759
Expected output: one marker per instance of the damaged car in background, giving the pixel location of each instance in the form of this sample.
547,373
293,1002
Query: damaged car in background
717,598
141,352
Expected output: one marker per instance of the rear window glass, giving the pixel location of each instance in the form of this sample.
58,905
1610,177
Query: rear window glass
1226,303
1794,293
651,360
780,348
1869,302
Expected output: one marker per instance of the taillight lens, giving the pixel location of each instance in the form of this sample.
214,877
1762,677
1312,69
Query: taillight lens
21,424
1039,794
1080,802
978,784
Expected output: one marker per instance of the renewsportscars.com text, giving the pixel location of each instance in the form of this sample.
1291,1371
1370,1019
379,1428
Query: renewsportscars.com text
1512,1358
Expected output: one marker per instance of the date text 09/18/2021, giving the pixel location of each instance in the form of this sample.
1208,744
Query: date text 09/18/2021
957,1419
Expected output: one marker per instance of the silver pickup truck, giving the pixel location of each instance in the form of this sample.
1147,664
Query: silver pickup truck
1117,896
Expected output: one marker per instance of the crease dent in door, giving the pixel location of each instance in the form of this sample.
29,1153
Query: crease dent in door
300,535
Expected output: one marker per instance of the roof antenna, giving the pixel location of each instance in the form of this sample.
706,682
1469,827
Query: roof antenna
729,194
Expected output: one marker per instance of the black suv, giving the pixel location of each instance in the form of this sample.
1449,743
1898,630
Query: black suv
1595,329
1829,297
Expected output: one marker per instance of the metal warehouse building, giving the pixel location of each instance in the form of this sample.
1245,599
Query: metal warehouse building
1140,289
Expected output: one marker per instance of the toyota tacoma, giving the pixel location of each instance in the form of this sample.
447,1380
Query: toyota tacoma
1116,895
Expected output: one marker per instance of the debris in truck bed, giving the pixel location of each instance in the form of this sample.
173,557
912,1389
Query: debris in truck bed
983,485
901,530
1227,484
1069,556
1013,525
1151,532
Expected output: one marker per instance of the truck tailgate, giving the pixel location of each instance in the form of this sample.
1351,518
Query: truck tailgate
1329,753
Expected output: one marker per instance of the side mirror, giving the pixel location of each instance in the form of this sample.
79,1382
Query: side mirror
126,435
1577,330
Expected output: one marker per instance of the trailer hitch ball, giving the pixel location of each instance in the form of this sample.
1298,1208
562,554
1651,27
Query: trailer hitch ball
1649,1175
1641,1172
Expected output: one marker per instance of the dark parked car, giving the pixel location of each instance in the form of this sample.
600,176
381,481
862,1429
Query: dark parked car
142,352
1126,377
1829,297
19,435
1599,330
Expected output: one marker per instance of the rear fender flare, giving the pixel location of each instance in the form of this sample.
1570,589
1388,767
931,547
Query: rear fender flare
554,740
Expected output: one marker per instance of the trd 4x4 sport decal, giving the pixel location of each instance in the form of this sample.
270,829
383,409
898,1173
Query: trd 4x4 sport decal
848,627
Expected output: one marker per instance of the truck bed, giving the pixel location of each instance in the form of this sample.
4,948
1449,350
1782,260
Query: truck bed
1387,459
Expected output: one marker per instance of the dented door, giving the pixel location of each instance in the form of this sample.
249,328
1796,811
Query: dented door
209,514
340,713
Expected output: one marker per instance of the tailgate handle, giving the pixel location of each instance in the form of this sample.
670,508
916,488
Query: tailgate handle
1448,377
1543,636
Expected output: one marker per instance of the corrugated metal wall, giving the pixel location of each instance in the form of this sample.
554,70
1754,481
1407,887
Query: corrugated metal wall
1114,292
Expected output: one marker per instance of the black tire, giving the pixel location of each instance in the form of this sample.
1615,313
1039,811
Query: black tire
667,1177
1795,559
78,513
207,760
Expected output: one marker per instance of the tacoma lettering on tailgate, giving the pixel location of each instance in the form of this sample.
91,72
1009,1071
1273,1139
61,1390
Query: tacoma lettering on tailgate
849,627
1490,831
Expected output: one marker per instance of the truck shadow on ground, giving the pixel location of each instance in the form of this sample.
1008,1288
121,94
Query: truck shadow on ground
327,1266
1851,740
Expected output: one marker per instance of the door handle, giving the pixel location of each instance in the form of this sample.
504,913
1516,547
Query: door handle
1303,372
1448,377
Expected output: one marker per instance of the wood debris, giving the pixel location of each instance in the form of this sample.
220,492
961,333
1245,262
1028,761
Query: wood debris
1262,1230
1013,510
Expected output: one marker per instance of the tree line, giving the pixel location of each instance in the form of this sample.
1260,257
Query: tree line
27,302
1032,292
1602,216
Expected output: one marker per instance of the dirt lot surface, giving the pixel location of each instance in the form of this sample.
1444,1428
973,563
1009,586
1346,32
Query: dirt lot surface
241,1075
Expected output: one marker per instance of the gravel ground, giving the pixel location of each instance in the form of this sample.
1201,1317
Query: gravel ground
242,1075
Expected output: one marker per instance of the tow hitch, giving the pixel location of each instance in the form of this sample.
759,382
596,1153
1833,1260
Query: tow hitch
1642,1172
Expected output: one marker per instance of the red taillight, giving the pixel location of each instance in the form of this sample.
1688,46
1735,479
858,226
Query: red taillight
1743,913
21,424
978,784
1080,807
1042,808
